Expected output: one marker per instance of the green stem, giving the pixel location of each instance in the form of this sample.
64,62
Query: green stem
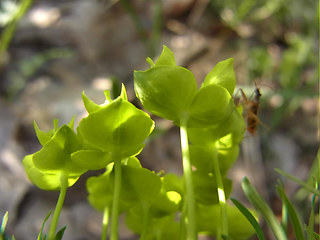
116,199
8,32
318,155
187,174
55,218
145,222
105,223
221,197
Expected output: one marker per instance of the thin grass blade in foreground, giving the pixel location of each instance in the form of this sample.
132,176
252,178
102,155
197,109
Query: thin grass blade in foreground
42,226
250,218
260,205
300,182
293,216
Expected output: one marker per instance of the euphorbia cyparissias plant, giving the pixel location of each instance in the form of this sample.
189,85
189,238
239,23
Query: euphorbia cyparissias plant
51,168
170,91
45,167
111,133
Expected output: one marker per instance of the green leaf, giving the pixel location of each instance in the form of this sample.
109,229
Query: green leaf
211,105
118,128
264,209
250,218
293,216
209,217
54,156
100,190
166,91
162,228
166,58
71,123
44,180
316,235
227,157
92,159
311,223
202,157
4,223
42,226
60,233
303,184
132,161
222,74
42,136
55,125
108,97
139,183
205,188
150,62
90,105
167,202
166,228
172,182
233,125
123,93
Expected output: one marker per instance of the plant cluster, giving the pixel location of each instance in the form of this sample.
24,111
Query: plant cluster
156,205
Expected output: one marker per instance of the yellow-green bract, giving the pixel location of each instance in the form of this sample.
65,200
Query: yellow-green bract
170,91
45,167
114,130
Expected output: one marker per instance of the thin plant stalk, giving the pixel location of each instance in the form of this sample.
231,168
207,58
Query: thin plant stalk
145,223
115,202
318,159
10,29
221,198
105,223
187,174
55,218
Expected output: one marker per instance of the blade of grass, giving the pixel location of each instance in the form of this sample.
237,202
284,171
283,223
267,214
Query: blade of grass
10,29
43,223
293,216
257,201
310,226
316,235
60,233
300,182
4,223
250,217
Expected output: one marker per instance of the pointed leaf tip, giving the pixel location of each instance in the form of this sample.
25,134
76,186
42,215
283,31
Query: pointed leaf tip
89,104
166,58
222,74
107,96
150,62
123,94
42,136
71,123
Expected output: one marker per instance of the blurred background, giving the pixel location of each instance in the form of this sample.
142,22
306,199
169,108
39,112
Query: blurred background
52,50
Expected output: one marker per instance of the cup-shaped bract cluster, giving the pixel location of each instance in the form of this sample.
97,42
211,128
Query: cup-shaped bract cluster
170,91
215,127
112,131
46,167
